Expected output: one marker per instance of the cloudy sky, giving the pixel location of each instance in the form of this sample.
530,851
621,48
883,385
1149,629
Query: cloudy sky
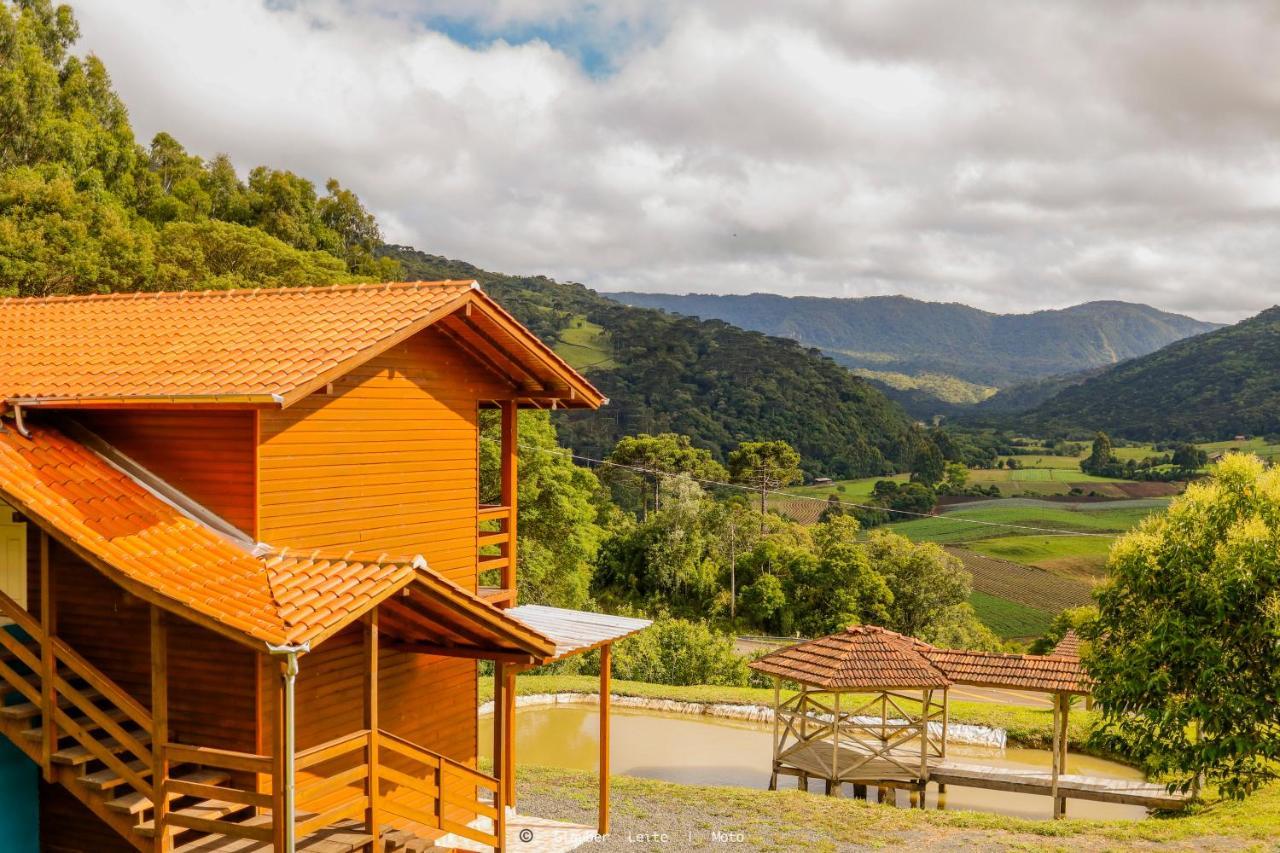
1011,155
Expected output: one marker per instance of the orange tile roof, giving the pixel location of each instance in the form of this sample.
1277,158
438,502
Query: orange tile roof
1042,673
862,657
1068,646
163,554
873,658
248,346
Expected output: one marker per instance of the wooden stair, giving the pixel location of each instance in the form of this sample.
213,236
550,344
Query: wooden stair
110,796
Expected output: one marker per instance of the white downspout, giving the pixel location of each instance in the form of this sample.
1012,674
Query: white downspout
290,654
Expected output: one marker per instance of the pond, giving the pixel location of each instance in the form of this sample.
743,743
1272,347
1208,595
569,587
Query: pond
703,750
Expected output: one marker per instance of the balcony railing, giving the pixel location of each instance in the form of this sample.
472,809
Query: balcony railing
496,538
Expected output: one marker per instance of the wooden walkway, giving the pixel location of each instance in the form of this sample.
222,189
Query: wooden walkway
815,762
1134,792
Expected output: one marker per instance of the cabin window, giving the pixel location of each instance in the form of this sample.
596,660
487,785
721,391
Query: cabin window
13,557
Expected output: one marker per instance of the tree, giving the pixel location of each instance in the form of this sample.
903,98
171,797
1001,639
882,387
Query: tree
840,587
763,602
1071,619
1101,458
1188,457
927,464
1184,650
766,466
925,581
666,453
957,477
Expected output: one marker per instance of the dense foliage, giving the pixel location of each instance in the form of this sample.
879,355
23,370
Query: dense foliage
84,208
1210,387
1186,645
715,383
894,333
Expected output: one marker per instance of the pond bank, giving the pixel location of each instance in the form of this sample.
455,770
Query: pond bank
1024,726
956,732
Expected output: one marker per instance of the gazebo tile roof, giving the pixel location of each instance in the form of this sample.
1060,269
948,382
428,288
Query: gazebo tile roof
859,657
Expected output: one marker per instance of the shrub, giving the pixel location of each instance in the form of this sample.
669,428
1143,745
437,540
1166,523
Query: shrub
675,651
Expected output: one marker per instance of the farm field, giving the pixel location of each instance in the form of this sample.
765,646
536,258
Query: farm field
995,518
1009,619
583,344
1080,557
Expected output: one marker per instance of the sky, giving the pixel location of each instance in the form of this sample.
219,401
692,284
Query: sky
1012,156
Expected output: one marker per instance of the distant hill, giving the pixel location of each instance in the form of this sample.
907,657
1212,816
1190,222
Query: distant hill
1214,386
708,379
897,335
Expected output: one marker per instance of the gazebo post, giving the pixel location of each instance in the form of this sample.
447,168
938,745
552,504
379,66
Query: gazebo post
927,700
1060,805
833,786
1056,754
777,722
946,720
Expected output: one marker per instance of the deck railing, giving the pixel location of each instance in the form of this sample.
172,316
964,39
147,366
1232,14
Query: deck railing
496,538
258,827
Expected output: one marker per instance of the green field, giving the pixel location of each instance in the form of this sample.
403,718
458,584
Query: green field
1070,556
997,519
583,344
1009,619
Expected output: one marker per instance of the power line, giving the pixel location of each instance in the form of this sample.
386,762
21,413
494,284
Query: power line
743,487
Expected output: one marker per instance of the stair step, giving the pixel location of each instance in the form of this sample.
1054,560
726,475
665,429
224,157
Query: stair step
27,710
106,780
207,809
114,714
223,844
77,754
136,802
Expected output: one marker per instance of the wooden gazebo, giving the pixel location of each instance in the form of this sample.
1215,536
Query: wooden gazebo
872,709
863,713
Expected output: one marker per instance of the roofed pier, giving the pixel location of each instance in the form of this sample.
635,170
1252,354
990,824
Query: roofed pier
872,709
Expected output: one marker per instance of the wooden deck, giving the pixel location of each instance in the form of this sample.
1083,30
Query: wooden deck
1134,792
815,762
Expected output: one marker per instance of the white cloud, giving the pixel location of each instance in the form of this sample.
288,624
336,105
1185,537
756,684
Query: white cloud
1014,156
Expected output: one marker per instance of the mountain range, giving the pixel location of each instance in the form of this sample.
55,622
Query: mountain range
954,352
712,381
1213,386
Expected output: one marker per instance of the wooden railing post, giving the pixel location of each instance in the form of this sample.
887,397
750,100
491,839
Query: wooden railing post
510,479
49,662
373,817
501,744
159,726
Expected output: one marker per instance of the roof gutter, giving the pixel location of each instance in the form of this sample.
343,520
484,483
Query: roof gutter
289,784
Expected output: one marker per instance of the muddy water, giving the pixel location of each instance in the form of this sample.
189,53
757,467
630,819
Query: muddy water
712,751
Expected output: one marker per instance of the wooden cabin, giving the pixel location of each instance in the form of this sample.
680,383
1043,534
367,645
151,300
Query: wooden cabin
241,552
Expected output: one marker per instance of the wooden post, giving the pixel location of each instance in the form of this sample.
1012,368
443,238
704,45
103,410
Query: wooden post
946,722
510,475
1056,754
49,663
835,749
777,730
159,727
509,768
926,700
606,666
373,811
1061,805
499,730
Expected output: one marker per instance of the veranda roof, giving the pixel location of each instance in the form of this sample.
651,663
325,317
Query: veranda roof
577,631
862,657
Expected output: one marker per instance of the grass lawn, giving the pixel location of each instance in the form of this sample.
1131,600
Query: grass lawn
1010,619
852,489
790,820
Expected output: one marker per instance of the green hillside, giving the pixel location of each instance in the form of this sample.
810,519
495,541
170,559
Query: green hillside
709,380
894,334
1210,387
